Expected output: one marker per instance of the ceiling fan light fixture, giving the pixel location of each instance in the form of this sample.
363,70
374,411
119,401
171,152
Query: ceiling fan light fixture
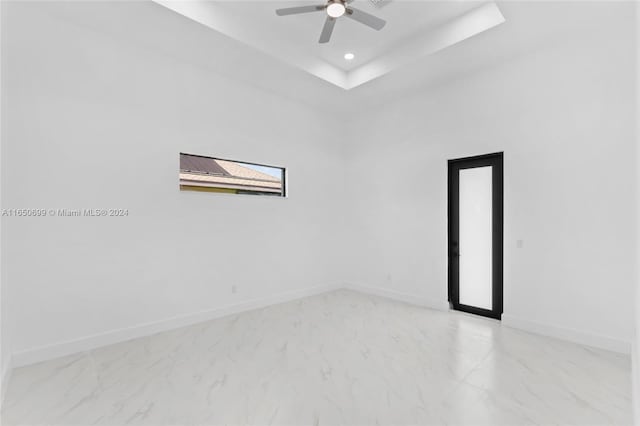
349,56
336,9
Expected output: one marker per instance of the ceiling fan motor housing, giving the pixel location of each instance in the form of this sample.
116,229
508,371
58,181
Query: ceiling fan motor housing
336,8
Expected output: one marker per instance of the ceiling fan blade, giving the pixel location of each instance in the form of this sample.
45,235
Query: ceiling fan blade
325,36
298,9
365,18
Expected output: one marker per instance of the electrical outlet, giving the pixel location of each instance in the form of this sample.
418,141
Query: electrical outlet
234,289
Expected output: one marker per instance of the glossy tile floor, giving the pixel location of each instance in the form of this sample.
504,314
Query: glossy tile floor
342,358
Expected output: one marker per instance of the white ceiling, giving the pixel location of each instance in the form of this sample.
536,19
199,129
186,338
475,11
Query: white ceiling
529,26
414,29
404,19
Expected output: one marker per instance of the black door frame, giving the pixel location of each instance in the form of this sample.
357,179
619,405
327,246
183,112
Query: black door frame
453,215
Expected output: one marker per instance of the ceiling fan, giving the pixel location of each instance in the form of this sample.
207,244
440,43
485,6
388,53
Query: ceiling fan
334,10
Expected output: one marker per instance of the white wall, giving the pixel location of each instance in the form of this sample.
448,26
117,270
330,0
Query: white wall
563,115
96,121
5,341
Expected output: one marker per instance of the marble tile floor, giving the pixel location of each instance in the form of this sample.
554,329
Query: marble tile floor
341,358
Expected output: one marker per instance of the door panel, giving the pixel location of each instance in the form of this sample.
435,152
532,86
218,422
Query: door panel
475,234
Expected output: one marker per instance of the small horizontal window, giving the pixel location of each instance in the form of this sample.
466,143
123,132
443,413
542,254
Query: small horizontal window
208,174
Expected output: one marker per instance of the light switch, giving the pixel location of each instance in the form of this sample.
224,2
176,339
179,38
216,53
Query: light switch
519,243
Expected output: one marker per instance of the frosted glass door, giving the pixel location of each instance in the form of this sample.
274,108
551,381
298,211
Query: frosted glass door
475,216
475,237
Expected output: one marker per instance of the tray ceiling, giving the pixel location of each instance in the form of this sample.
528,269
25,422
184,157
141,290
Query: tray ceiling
414,29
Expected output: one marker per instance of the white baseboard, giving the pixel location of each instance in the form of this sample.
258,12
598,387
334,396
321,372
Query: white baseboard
88,343
7,368
575,336
635,371
440,305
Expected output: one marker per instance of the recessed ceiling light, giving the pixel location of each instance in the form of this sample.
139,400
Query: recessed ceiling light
349,56
336,9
